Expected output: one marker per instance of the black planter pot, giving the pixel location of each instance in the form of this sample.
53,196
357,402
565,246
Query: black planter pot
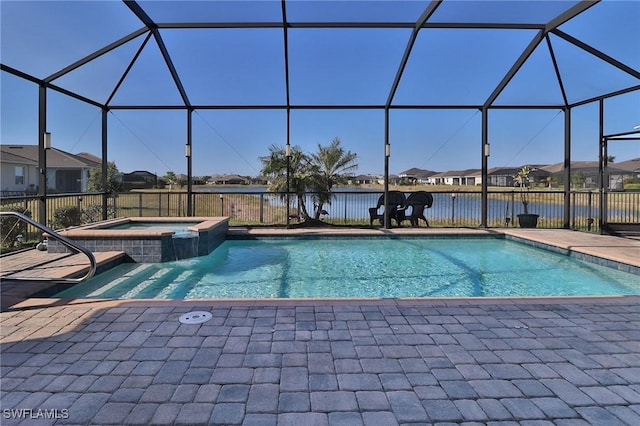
528,220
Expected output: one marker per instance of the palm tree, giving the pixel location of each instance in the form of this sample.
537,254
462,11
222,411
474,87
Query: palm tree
274,165
332,166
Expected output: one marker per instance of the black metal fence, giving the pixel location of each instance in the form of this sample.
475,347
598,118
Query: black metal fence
258,207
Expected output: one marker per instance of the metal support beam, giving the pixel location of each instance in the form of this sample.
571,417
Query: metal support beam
515,68
42,155
105,165
96,54
485,167
557,71
285,41
189,155
433,5
602,158
151,25
126,71
597,53
387,218
567,168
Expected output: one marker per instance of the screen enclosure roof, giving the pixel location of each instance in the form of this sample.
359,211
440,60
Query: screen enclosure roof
325,54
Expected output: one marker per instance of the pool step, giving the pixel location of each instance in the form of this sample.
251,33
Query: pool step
174,285
119,281
143,285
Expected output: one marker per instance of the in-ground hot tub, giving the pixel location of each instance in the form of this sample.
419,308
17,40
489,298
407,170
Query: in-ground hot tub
150,239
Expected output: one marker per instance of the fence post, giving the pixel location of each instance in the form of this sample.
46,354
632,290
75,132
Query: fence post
589,218
261,208
573,209
221,205
140,204
453,207
346,198
159,203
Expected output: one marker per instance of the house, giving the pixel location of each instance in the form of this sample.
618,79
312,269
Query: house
417,176
229,180
586,174
455,177
393,180
504,176
260,180
364,179
66,172
631,170
139,179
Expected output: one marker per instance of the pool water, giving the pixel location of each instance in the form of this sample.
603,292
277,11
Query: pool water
361,268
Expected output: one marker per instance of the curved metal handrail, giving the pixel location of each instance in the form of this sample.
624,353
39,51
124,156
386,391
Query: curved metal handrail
65,241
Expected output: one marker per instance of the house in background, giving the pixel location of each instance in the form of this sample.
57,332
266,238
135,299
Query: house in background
417,176
229,180
19,174
365,179
66,172
139,179
631,170
260,180
586,174
455,177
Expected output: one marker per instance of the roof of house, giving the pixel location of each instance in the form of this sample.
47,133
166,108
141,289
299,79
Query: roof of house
90,157
140,172
365,177
632,165
418,173
56,158
580,166
10,156
457,173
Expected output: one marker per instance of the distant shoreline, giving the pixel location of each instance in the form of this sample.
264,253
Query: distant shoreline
364,187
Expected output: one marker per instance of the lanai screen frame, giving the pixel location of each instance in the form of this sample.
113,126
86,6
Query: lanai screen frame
152,29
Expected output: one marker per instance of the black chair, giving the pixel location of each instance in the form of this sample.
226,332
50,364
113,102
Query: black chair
396,201
416,203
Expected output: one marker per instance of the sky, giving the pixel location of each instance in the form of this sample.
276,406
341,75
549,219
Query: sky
344,67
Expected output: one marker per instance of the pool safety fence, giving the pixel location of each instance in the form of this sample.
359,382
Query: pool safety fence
259,207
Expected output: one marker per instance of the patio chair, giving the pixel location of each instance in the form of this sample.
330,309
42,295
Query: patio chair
396,200
414,208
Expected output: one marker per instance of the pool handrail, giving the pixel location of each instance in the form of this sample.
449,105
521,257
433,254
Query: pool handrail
65,241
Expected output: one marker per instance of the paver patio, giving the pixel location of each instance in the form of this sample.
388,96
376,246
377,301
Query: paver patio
527,361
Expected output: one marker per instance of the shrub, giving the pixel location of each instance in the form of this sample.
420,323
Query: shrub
65,217
93,213
11,227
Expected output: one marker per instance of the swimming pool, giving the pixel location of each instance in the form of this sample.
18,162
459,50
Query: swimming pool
362,268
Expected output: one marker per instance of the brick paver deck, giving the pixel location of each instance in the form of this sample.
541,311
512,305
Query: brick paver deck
536,361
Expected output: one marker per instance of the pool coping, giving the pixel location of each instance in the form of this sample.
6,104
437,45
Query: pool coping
100,230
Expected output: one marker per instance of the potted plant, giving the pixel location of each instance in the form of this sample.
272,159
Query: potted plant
521,180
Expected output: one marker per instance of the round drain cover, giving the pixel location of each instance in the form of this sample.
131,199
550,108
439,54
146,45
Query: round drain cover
195,317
